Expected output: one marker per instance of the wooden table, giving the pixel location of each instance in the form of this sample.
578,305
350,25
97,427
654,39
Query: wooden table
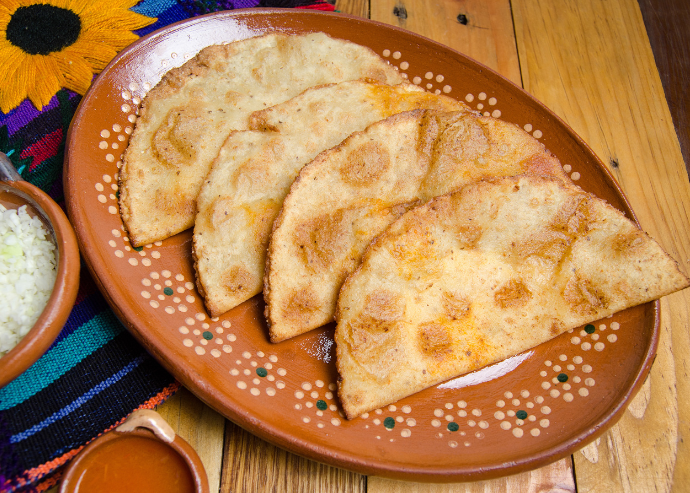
591,62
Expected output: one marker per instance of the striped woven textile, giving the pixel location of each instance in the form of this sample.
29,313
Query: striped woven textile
95,373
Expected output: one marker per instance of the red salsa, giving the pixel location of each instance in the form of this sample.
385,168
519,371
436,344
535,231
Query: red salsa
130,464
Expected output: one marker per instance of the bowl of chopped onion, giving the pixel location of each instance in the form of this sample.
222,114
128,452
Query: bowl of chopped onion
39,272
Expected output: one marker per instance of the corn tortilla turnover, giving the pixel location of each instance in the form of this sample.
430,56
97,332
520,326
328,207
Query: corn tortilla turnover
485,273
186,117
349,194
244,190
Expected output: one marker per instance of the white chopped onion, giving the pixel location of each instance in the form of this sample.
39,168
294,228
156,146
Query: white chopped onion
27,274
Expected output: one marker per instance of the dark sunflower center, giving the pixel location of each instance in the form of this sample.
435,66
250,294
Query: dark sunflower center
41,29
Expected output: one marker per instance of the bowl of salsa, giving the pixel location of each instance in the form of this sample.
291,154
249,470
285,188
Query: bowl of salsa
142,454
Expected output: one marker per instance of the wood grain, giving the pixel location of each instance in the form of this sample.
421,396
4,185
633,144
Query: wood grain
201,427
480,29
555,478
360,8
572,60
252,465
667,24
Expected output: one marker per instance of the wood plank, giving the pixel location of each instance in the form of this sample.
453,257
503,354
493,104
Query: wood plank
480,29
253,465
201,427
667,24
360,8
571,59
556,478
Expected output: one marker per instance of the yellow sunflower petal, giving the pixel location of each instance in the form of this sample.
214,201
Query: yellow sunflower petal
105,35
26,3
11,59
10,99
7,50
123,4
5,18
127,4
78,6
114,18
48,81
111,37
115,39
7,54
9,6
78,73
14,89
117,4
97,55
13,63
62,4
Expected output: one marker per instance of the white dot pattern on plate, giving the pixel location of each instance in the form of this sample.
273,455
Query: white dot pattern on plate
527,411
471,420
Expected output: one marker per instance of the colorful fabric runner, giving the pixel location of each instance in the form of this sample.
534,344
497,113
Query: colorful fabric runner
95,373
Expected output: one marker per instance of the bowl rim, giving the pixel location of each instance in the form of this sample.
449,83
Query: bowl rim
178,444
54,315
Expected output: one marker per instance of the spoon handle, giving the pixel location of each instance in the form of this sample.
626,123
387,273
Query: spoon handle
7,170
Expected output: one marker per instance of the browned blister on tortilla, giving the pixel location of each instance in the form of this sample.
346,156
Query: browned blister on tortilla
482,274
185,119
244,190
349,194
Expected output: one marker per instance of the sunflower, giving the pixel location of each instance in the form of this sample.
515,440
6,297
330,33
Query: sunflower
49,44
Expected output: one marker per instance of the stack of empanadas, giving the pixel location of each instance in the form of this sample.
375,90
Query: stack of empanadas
438,239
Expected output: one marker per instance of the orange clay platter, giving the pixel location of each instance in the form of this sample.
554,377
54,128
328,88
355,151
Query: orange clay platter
517,415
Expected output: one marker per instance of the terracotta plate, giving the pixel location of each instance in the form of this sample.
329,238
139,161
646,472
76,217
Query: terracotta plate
517,415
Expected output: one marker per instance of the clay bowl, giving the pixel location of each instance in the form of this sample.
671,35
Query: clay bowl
15,192
142,454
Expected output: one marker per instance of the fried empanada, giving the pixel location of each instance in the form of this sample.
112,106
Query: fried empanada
249,179
348,195
185,118
485,273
